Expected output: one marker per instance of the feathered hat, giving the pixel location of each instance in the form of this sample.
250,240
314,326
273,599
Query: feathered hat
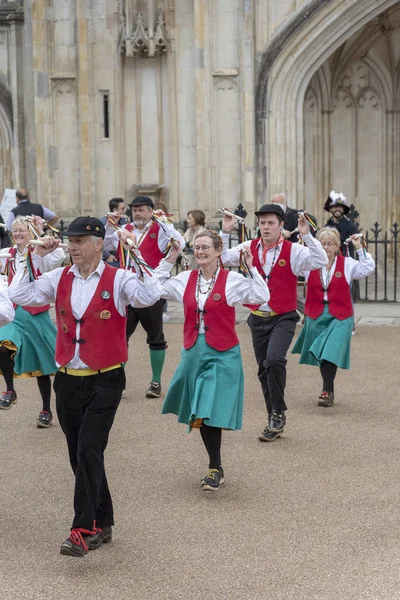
335,199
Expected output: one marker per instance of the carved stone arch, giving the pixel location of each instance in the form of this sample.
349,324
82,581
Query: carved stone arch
295,53
6,99
383,78
369,97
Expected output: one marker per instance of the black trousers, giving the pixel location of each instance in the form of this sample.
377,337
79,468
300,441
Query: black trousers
86,408
271,340
151,320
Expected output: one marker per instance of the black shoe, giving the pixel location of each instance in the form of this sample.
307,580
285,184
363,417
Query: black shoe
275,427
102,536
154,390
8,399
44,419
221,477
212,480
75,545
326,399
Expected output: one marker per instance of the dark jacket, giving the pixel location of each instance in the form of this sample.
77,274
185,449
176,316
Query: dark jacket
28,208
291,220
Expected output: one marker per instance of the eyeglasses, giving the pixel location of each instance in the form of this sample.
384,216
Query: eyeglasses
202,248
329,244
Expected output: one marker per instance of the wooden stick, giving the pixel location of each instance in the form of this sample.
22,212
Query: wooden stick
41,243
228,212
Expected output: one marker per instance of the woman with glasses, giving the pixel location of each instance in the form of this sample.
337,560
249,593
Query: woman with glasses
206,391
27,345
325,338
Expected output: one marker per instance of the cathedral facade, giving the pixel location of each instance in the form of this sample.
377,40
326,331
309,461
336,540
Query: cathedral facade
202,103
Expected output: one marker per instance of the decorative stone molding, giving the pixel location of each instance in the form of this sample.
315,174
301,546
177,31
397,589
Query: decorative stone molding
134,39
153,190
11,10
62,85
225,79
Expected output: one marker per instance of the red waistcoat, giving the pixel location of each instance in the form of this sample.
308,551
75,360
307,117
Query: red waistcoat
10,270
338,292
219,317
283,282
102,334
149,245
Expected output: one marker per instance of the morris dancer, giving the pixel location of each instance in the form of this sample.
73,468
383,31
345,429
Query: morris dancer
273,323
325,338
153,238
206,390
27,345
91,299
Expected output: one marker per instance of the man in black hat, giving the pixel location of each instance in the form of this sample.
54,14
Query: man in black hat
90,302
336,204
273,324
153,238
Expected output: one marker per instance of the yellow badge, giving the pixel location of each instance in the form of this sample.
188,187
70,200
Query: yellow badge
152,235
65,329
282,262
338,274
217,297
105,314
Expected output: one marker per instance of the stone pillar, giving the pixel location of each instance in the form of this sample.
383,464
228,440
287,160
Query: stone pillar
85,105
41,45
223,48
29,104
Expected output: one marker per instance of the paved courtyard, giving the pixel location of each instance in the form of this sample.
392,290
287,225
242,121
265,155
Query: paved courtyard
312,516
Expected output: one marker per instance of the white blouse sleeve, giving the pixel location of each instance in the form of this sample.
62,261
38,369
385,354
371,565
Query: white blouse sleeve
246,290
358,269
174,287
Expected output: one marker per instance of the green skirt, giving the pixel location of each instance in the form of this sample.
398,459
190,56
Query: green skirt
207,385
32,339
325,338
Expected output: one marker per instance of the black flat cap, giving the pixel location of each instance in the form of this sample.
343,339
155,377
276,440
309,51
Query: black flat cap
142,201
271,208
86,226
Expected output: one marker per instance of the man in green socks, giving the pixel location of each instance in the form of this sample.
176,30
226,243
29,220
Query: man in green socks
153,236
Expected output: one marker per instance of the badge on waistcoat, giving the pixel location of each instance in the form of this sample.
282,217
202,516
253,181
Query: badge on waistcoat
63,312
65,329
217,297
282,262
105,314
152,235
105,295
338,274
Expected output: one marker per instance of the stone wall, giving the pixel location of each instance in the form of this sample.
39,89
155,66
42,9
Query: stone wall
203,103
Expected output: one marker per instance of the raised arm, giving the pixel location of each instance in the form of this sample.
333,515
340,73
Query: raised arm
34,293
246,290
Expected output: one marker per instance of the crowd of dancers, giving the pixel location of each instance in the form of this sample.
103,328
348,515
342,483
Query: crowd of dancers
120,275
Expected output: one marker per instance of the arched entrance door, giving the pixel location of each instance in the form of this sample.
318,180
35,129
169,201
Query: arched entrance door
305,113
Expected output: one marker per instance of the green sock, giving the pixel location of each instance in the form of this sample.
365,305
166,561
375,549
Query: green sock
157,358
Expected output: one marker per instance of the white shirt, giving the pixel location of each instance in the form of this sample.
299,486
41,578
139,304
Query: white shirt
43,263
302,258
7,313
353,269
238,290
166,231
128,289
